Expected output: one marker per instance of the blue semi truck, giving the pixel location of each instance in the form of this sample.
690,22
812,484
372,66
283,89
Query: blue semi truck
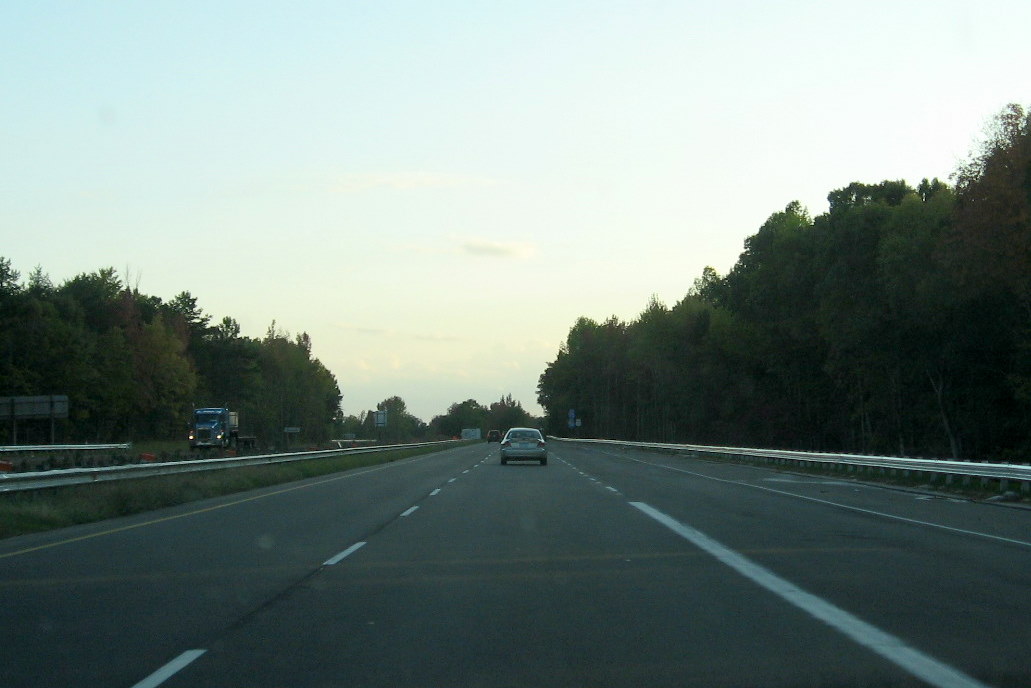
214,427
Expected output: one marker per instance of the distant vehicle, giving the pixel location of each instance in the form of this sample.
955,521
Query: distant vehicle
493,435
214,427
521,444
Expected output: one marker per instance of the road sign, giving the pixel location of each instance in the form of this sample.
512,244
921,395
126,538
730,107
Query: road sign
53,406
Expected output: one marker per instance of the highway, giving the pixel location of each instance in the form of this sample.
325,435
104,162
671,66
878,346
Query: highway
608,567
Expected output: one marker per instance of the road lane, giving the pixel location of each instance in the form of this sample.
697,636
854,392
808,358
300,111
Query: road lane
532,576
950,591
476,574
895,650
109,603
944,510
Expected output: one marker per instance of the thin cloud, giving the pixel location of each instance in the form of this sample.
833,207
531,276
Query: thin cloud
407,181
398,334
497,249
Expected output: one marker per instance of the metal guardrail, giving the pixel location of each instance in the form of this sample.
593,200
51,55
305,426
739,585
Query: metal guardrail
38,480
18,448
1005,473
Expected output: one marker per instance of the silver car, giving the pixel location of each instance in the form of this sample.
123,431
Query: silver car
521,444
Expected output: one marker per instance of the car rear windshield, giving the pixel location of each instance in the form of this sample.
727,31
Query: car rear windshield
524,435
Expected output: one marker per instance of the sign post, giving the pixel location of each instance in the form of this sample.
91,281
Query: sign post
381,422
290,431
51,407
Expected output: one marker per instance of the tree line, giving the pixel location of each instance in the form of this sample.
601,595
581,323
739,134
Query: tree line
134,366
898,322
402,426
500,415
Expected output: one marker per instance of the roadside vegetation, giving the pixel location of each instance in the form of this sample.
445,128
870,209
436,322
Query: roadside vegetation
134,367
40,510
897,323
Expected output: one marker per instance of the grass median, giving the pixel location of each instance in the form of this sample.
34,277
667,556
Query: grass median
39,510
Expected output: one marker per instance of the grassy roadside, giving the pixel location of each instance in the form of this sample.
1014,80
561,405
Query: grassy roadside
40,510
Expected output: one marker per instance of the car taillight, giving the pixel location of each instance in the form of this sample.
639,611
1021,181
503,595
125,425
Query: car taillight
540,443
506,443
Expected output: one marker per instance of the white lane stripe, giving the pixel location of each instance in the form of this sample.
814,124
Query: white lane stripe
612,489
435,492
915,521
409,511
452,480
346,553
886,645
170,669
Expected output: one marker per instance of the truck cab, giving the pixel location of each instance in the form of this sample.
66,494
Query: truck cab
213,427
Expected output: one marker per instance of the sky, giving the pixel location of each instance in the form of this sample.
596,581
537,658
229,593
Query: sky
436,191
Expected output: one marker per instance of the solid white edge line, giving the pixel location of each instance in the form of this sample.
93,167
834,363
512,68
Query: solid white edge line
884,644
170,669
346,553
409,511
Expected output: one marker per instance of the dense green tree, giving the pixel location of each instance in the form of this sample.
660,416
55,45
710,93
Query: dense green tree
164,380
502,414
897,321
992,231
96,297
507,413
466,414
990,249
351,427
9,279
133,366
401,425
294,390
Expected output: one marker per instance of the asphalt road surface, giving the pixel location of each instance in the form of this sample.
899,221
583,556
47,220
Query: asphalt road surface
607,567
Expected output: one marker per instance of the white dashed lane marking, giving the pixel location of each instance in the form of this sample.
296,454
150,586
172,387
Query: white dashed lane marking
343,555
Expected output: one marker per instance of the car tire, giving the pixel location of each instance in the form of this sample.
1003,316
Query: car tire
544,462
503,461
